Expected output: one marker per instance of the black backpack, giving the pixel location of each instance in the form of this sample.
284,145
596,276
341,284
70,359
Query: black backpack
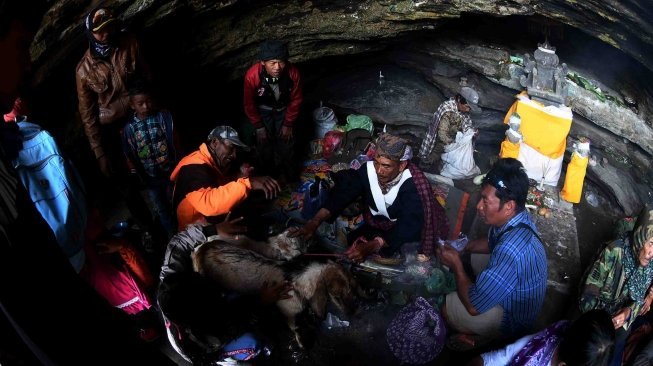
353,144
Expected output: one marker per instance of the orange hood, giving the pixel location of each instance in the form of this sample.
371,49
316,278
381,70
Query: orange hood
201,156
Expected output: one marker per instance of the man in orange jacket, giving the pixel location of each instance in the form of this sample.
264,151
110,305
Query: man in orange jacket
205,187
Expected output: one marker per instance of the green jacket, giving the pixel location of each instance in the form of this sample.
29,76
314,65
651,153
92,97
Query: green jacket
605,284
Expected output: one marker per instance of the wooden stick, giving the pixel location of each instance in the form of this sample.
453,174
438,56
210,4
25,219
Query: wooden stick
323,255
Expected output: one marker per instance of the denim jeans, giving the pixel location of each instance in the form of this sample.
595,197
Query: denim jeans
159,200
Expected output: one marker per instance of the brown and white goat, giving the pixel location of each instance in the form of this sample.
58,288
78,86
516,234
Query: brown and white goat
243,270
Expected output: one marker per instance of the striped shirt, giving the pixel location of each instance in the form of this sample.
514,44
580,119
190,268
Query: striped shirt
515,277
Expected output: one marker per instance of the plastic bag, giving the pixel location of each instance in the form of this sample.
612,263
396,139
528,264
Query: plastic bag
415,272
459,157
359,121
440,282
325,120
331,142
314,198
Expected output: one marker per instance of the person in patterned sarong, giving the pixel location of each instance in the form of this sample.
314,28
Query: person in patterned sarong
400,205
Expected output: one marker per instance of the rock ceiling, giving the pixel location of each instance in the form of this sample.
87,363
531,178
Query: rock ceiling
226,33
214,35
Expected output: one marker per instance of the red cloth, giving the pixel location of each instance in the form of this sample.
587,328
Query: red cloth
436,225
112,277
19,109
114,283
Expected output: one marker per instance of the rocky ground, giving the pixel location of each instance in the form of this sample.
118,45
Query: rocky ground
572,235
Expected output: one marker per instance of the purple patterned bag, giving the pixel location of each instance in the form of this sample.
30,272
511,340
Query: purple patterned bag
417,334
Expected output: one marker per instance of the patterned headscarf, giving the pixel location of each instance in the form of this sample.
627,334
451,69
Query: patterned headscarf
393,147
639,277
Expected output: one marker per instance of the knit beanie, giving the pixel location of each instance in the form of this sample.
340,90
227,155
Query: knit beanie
273,50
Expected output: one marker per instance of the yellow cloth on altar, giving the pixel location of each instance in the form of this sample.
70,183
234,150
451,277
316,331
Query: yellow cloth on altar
545,129
509,149
573,188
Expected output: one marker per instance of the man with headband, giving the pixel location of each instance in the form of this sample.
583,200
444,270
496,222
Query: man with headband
510,266
400,206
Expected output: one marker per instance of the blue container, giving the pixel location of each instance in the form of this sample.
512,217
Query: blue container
314,198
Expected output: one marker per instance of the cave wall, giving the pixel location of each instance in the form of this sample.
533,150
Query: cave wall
226,33
196,44
417,79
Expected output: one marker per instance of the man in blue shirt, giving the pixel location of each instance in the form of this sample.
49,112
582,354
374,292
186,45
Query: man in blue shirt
508,293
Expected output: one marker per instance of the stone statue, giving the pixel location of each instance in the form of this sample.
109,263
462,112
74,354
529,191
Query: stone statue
559,76
544,79
547,61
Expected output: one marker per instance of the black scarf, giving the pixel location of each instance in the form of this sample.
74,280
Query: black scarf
99,50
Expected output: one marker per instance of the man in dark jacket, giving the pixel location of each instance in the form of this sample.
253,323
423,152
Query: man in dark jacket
401,207
272,98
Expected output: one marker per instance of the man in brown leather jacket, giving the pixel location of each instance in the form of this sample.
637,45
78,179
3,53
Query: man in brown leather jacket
112,57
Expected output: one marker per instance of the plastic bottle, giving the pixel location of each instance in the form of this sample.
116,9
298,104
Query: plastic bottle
592,199
460,243
333,321
147,242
